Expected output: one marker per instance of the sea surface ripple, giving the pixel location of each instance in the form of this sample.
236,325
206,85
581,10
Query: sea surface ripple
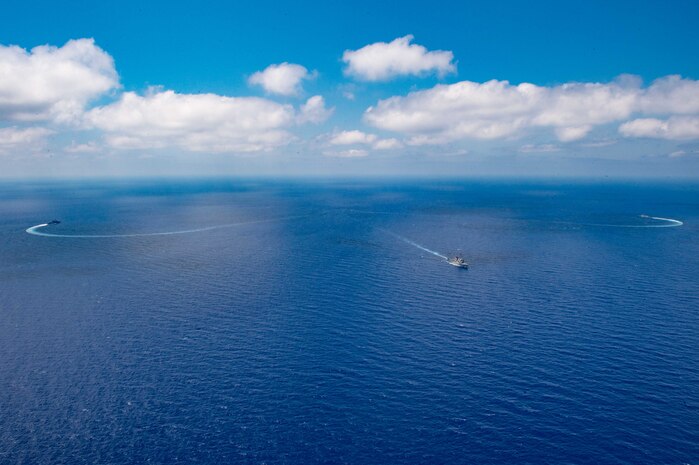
319,338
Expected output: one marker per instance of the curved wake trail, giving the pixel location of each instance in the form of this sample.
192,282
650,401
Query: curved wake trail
34,230
669,223
672,223
414,244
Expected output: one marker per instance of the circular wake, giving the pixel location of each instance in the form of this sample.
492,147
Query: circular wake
34,230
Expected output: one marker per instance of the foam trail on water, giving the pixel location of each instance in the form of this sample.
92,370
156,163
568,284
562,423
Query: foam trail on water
414,244
672,223
34,230
669,223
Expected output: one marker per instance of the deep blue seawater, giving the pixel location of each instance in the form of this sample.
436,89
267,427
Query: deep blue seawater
319,336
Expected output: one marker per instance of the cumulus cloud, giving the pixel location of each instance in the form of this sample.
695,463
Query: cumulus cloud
382,61
571,133
498,109
53,83
387,144
14,138
314,111
282,79
352,137
360,138
88,147
682,153
671,95
57,87
195,122
676,127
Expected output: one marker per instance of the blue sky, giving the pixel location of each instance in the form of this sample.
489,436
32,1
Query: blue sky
165,55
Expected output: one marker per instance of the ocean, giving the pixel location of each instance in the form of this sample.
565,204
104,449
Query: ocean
317,322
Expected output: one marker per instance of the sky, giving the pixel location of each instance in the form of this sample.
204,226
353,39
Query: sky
410,88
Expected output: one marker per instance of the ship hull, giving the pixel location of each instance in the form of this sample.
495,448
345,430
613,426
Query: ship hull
459,265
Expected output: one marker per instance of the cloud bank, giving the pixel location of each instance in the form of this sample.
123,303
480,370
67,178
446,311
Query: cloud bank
75,88
201,122
676,128
54,86
498,109
195,122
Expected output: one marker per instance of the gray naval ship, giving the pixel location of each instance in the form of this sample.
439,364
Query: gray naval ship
458,262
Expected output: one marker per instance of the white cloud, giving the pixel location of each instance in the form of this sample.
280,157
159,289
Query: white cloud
53,82
282,79
450,112
676,127
195,122
352,137
351,153
671,95
573,133
359,138
682,153
88,147
387,144
314,111
498,109
14,138
382,61
56,87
